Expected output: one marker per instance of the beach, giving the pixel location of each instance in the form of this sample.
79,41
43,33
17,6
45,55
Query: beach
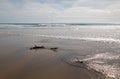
18,61
59,39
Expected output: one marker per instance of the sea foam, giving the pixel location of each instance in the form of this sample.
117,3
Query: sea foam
101,63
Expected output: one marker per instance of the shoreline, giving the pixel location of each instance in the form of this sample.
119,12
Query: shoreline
18,61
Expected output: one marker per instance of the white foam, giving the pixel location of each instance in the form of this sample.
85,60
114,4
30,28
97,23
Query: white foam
83,38
76,27
100,62
110,40
60,26
104,56
108,70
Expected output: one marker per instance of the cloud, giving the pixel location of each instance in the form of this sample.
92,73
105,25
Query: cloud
60,11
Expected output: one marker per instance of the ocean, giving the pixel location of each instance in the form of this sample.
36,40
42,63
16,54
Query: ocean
103,55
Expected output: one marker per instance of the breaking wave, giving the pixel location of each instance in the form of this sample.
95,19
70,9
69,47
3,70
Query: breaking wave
60,25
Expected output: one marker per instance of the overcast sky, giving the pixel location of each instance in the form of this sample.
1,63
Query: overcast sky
60,11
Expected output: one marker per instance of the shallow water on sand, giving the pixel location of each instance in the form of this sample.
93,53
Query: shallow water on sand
18,62
98,49
101,57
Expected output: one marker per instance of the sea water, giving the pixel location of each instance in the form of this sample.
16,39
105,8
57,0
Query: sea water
108,62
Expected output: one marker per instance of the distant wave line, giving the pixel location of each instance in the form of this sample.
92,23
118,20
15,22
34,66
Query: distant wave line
97,39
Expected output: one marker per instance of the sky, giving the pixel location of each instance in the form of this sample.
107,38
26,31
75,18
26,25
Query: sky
59,11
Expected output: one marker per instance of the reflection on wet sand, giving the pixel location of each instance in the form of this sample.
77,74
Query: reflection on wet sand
18,62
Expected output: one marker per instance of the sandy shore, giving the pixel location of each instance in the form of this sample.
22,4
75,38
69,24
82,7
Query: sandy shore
17,61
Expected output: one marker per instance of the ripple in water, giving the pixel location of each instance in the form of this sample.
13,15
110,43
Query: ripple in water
106,63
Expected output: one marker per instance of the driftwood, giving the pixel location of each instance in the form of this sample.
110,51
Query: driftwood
37,47
54,48
79,61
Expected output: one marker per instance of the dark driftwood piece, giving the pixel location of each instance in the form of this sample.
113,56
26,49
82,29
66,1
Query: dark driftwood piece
37,47
54,48
79,61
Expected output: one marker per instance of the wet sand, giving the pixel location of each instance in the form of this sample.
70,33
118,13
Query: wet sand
17,61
